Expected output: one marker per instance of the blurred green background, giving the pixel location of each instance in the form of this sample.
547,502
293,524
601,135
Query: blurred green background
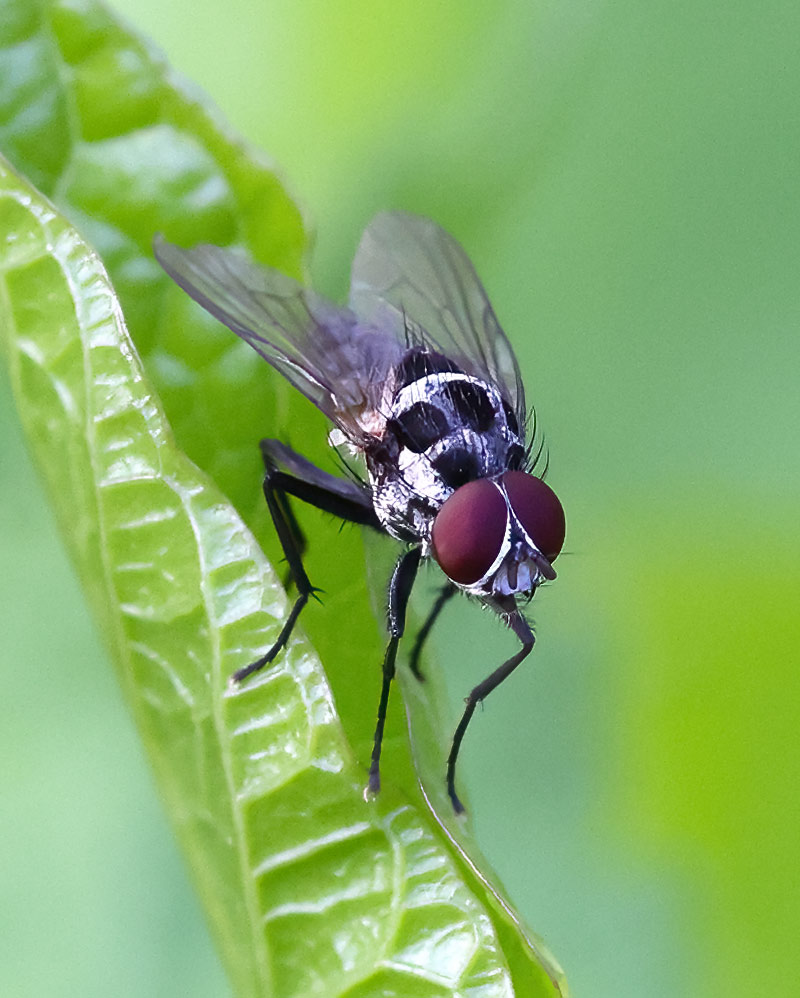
625,178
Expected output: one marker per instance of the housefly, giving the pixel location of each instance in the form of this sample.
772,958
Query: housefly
418,378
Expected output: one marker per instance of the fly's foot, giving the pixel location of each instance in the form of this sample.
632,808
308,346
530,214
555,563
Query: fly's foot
283,637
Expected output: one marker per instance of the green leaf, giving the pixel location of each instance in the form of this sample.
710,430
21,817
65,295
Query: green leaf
309,889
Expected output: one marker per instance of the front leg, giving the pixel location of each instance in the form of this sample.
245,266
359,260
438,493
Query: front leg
403,576
522,629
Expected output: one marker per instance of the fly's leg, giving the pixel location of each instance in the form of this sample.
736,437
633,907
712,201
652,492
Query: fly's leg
447,592
276,503
294,528
518,624
327,492
403,576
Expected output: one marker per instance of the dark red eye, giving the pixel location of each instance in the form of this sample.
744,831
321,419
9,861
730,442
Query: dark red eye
468,531
537,508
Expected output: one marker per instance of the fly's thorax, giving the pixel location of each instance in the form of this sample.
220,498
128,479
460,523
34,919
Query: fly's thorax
443,429
449,412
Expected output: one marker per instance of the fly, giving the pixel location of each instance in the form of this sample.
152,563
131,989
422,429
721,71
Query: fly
417,377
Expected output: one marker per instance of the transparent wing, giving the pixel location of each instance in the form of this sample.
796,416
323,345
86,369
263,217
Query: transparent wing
318,347
410,263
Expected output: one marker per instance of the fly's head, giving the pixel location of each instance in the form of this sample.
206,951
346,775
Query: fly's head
497,538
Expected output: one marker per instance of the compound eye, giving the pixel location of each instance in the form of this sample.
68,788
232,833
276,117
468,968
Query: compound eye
469,530
537,508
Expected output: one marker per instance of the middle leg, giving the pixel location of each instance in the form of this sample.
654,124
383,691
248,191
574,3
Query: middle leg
403,576
446,594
